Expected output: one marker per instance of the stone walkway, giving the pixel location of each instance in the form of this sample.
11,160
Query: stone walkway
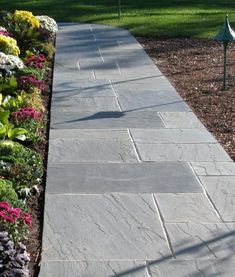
136,185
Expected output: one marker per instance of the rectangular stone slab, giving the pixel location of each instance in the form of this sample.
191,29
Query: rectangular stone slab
202,241
83,104
214,168
126,178
116,227
221,190
91,150
172,136
152,101
195,268
93,269
181,120
186,207
182,152
105,120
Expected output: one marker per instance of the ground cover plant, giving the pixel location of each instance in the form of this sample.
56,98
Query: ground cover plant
26,51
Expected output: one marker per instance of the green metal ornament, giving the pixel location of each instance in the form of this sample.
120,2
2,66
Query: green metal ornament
225,35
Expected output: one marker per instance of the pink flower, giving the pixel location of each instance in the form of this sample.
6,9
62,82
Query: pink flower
2,215
4,205
27,219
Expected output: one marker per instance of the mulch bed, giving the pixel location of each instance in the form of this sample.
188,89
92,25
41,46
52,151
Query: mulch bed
195,68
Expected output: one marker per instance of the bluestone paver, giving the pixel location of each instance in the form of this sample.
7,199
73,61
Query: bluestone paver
103,227
136,186
221,190
127,178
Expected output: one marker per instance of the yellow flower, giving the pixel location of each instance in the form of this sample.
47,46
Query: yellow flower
27,18
9,46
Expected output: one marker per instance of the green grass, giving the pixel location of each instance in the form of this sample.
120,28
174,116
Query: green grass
155,18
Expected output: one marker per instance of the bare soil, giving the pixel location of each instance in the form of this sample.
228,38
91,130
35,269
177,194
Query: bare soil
195,68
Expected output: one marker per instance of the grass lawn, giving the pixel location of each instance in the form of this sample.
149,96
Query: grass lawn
154,18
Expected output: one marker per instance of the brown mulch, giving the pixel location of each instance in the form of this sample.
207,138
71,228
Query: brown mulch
195,68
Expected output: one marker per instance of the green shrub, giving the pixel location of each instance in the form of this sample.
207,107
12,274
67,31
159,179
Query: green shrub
21,165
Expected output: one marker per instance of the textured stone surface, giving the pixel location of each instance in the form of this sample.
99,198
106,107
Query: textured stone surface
90,134
93,269
82,104
82,88
221,190
152,101
181,120
128,178
105,120
102,227
189,207
182,152
91,150
172,136
195,268
215,168
202,241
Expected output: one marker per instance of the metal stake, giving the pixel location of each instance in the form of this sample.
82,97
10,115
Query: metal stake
119,9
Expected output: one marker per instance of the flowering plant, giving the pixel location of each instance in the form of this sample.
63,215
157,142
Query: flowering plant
4,32
9,64
8,45
14,221
25,18
28,83
35,61
47,23
27,113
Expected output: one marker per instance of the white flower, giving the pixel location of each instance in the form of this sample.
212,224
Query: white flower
10,63
47,23
3,29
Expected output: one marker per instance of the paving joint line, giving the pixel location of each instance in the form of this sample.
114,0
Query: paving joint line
118,103
148,269
135,146
168,240
161,117
212,204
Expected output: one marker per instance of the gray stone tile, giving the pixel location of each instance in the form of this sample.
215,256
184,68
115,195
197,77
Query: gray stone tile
102,227
121,134
190,207
105,120
172,136
221,190
196,268
215,168
91,150
127,178
202,241
93,269
181,120
152,101
82,104
182,152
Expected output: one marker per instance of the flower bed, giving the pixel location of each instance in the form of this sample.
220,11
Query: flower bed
26,52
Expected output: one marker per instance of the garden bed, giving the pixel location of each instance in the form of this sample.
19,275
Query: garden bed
195,68
26,60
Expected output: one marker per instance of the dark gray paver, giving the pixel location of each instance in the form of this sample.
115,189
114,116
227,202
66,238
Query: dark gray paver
82,104
214,168
105,120
221,190
94,269
190,207
126,178
182,152
202,241
144,136
120,227
195,268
